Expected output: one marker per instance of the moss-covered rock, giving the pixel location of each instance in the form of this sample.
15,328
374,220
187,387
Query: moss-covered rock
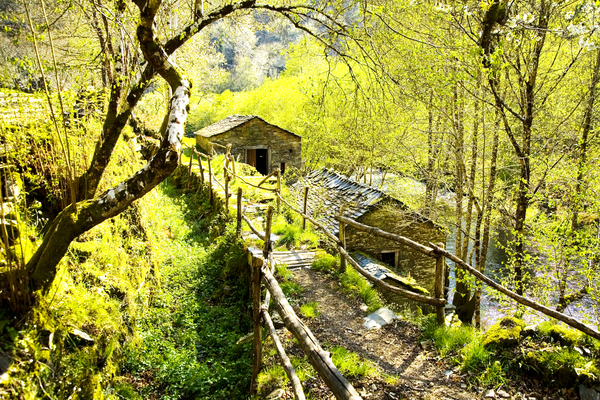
560,333
561,367
504,333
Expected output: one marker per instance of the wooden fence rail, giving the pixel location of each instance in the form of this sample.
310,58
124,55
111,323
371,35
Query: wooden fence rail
320,359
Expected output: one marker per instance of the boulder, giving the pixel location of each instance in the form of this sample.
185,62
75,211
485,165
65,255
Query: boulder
504,333
379,318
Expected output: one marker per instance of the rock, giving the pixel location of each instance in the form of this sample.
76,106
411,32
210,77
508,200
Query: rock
503,393
530,330
277,321
364,307
275,394
46,338
80,338
505,333
379,318
588,394
373,387
490,394
246,339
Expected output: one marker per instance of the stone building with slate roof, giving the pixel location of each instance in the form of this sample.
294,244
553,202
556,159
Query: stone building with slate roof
330,192
253,141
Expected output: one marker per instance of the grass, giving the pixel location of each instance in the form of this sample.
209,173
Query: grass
326,263
350,364
310,310
353,283
447,339
292,235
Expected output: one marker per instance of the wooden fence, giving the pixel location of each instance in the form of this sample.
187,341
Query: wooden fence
262,270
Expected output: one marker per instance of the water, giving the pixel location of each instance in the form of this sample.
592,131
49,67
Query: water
496,262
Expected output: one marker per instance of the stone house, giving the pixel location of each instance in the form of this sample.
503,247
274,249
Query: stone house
253,141
329,192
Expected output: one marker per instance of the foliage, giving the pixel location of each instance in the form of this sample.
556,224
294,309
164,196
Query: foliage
503,333
447,339
325,262
310,310
292,235
353,283
560,333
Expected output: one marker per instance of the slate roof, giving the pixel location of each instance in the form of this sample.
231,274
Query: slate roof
329,191
233,121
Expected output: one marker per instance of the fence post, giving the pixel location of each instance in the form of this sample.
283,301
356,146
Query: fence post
439,286
226,177
210,190
256,306
201,171
190,168
304,207
239,210
342,236
278,189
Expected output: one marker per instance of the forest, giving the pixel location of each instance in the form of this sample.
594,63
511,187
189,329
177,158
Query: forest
120,278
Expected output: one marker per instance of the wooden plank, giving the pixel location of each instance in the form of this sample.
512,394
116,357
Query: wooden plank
319,358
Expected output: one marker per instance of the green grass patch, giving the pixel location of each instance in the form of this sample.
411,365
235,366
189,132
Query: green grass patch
326,263
292,235
447,339
351,364
283,273
310,310
355,284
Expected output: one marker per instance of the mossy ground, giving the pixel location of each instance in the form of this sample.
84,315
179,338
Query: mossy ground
164,301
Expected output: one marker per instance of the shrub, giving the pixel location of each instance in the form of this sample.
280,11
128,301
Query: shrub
447,338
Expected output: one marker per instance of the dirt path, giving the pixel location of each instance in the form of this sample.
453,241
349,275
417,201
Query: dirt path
394,348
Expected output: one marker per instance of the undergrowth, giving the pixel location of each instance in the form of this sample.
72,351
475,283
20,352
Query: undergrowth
161,289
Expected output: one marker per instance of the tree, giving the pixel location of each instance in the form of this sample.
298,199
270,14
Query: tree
87,208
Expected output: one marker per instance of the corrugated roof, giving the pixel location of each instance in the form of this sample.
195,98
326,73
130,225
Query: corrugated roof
330,191
233,121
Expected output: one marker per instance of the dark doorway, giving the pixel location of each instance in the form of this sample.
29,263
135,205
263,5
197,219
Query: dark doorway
262,161
389,258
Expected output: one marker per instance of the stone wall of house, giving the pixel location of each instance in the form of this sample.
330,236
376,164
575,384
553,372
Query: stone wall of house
390,219
285,147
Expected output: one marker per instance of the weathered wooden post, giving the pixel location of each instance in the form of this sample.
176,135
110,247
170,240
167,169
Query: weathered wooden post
304,207
439,286
210,190
226,177
256,306
201,170
239,210
278,189
190,168
342,236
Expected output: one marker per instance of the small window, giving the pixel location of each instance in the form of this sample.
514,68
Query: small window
389,258
282,167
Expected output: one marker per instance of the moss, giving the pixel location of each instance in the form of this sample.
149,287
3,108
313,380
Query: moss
560,333
84,250
408,283
561,367
504,333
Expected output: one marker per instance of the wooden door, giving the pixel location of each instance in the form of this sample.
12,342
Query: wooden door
251,157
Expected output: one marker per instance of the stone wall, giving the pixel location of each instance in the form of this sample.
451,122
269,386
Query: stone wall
284,146
391,219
